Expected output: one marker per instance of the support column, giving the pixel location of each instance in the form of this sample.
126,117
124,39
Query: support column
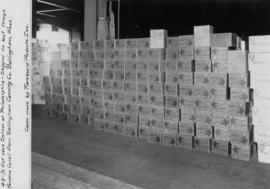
90,19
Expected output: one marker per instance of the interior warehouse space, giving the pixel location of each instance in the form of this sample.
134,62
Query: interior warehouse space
150,94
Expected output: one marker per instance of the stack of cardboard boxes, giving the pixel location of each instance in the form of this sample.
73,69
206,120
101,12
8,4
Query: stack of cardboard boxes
189,91
259,59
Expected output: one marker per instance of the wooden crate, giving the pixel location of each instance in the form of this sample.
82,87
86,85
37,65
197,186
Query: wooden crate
186,128
202,144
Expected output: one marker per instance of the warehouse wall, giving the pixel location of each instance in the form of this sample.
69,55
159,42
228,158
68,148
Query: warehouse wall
178,17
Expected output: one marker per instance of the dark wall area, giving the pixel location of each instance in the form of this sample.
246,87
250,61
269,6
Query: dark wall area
244,17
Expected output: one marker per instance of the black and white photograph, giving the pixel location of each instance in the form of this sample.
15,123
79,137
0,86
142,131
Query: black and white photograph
135,94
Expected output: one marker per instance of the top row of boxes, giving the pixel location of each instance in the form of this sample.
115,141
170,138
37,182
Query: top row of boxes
203,37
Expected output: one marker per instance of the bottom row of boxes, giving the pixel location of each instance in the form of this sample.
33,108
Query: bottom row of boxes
221,147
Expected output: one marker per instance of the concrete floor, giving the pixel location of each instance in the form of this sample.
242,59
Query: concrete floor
144,165
50,173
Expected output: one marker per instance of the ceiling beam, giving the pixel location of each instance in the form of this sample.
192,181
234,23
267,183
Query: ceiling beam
58,6
44,14
51,10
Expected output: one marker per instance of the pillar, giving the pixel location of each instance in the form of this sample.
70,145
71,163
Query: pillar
90,19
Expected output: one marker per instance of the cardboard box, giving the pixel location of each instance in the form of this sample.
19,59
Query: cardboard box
156,88
259,44
119,97
108,95
108,106
130,87
108,64
143,87
241,137
109,54
98,44
186,103
238,80
74,118
119,54
143,99
186,41
172,113
220,147
258,62
99,54
156,54
240,123
218,80
171,65
241,94
202,53
142,76
186,91
203,130
157,111
184,141
171,89
264,153
185,78
144,110
98,64
172,54
108,116
202,92
142,54
241,152
118,128
171,77
171,126
157,100
130,131
202,144
223,40
220,66
131,43
219,53
144,121
119,44
237,61
168,139
154,136
118,75
157,123
222,133
156,78
158,38
131,54
119,65
131,97
154,66
99,124
185,66
118,86
119,107
84,119
171,101
203,66
202,79
109,44
218,93
237,108
107,85
130,65
108,74
132,119
143,133
186,128
132,108
109,127
202,35
119,118
173,42
221,119
143,43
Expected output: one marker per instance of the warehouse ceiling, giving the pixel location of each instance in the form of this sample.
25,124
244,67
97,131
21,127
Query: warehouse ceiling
61,13
245,17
